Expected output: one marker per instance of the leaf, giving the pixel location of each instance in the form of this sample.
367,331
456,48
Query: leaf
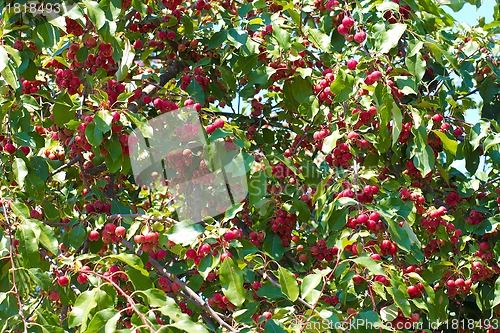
397,125
100,320
282,36
185,232
81,309
424,155
391,37
401,301
370,264
257,187
110,326
102,120
336,218
125,62
156,297
273,246
416,66
9,74
132,260
4,58
236,37
63,113
308,286
95,13
28,233
301,89
93,135
319,39
342,86
448,144
273,326
20,171
330,142
496,300
289,285
217,39
231,279
389,313
47,237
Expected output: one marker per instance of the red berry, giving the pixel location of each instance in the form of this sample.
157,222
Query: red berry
63,280
94,235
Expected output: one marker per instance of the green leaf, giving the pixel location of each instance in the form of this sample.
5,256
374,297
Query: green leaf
448,144
478,133
236,37
102,120
401,300
370,264
496,300
185,232
257,187
391,37
289,285
20,171
100,320
330,142
4,58
47,237
132,260
301,89
273,246
319,39
389,313
28,234
273,326
231,279
336,218
397,123
9,74
93,135
342,86
63,111
95,13
308,286
217,39
416,66
81,309
424,155
110,326
282,36
125,62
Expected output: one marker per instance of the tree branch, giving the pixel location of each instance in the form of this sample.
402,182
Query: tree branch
175,68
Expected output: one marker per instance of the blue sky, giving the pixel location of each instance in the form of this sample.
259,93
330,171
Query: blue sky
470,14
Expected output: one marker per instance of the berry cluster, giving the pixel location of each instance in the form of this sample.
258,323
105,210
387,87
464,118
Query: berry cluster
30,87
221,301
148,241
66,78
340,157
416,197
283,223
371,222
320,251
475,217
322,89
433,218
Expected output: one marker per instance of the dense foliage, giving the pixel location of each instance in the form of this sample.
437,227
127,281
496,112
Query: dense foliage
350,119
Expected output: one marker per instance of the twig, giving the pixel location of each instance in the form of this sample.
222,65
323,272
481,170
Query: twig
75,159
13,268
200,302
175,68
129,299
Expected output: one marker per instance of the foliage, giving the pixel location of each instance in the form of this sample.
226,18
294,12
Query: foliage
350,118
